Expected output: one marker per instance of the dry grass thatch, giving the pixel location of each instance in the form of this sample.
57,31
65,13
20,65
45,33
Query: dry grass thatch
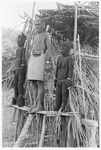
84,96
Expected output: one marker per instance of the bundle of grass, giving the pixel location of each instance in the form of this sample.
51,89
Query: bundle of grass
84,100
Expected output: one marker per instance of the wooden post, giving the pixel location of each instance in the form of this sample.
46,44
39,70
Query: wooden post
41,142
75,36
81,74
20,123
25,26
24,131
75,29
33,10
15,111
29,36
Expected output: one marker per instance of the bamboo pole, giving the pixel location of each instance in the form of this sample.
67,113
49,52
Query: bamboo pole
48,113
75,29
41,142
54,113
14,114
30,30
24,108
24,131
33,10
20,123
81,74
25,26
88,56
74,47
75,36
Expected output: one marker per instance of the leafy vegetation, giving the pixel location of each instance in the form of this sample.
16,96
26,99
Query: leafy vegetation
9,46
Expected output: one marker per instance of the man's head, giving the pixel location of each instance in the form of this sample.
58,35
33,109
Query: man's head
39,25
21,40
65,48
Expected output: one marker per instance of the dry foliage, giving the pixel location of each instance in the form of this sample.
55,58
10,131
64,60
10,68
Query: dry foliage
83,97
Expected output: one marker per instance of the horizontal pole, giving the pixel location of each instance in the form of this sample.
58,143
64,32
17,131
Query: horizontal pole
48,113
88,56
54,113
86,16
24,108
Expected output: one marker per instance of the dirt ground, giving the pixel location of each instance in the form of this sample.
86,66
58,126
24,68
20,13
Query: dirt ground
8,127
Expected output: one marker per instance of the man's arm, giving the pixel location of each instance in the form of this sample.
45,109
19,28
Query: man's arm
49,46
70,74
57,69
23,56
56,73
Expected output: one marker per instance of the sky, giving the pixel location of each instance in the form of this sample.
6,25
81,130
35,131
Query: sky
12,9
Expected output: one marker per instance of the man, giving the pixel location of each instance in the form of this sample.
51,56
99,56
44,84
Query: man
19,72
36,64
64,72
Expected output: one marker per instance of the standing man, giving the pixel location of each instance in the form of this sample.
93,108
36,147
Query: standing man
36,64
19,72
64,73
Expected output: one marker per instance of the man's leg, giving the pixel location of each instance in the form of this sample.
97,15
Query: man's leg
16,92
64,121
40,95
65,94
32,91
58,97
21,80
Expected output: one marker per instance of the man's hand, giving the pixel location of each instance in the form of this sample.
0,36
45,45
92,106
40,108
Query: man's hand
31,109
22,68
22,65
